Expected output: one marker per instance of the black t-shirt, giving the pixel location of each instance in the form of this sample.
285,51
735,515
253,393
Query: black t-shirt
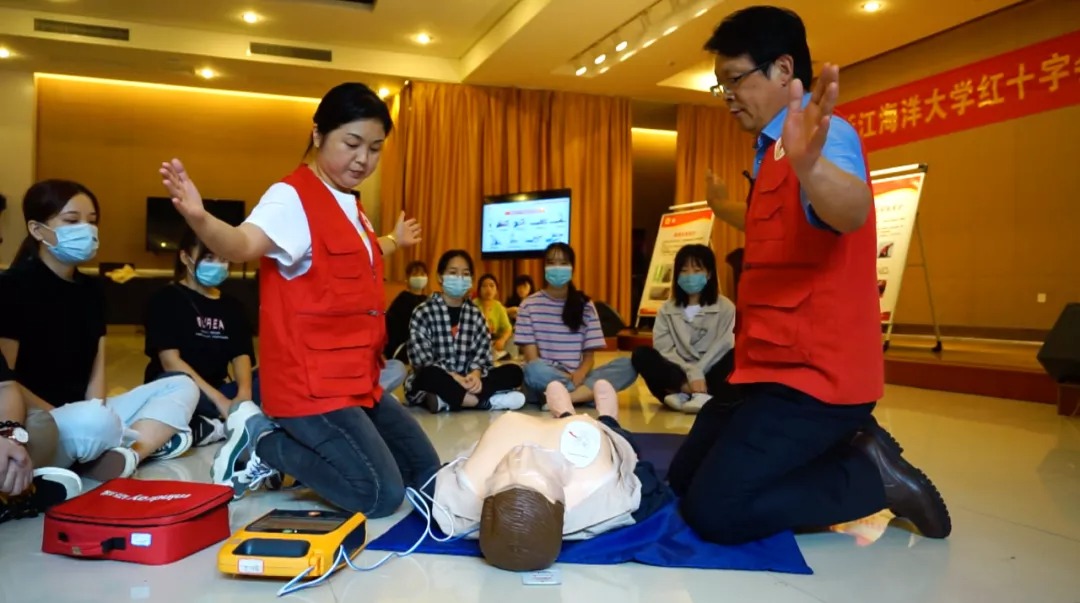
455,316
6,374
398,317
209,333
58,325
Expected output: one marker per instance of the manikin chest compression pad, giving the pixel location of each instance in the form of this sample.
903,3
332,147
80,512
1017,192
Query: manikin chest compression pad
662,540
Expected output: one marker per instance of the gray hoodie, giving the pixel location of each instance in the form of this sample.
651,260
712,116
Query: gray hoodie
699,344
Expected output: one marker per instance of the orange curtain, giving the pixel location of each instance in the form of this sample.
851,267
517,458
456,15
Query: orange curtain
709,138
455,144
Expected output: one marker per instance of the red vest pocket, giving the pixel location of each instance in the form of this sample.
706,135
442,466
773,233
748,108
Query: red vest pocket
346,258
776,328
341,355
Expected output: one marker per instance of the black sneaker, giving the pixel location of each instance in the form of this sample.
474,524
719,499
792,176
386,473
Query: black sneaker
51,487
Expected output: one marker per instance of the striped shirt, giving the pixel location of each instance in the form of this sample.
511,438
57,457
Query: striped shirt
540,323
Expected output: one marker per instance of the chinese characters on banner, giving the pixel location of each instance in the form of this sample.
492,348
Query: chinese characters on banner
1034,79
677,230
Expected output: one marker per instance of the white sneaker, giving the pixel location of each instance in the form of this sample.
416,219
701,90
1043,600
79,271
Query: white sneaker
68,479
117,462
507,401
176,446
235,464
693,406
676,401
207,431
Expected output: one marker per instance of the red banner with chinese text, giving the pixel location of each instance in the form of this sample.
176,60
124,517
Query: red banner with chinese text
1037,78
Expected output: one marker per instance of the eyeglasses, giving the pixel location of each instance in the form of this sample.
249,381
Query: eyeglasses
728,88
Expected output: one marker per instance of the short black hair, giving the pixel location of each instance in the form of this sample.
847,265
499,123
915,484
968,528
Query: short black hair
487,277
414,266
524,279
703,257
346,103
765,33
444,261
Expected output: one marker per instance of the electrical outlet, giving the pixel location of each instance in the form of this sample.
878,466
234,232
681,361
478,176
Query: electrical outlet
1041,298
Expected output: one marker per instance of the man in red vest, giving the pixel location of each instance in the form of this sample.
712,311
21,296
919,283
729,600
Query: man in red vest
803,449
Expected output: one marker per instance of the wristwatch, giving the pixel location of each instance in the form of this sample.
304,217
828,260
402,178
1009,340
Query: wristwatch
15,432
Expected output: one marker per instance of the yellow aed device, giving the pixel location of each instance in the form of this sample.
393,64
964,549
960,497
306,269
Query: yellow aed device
285,543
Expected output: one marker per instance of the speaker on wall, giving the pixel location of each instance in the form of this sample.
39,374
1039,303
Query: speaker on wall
1060,353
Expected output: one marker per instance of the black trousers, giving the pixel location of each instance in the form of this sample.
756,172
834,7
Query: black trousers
778,460
434,380
664,377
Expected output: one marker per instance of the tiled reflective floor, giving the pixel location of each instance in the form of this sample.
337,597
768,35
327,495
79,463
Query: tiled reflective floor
1009,470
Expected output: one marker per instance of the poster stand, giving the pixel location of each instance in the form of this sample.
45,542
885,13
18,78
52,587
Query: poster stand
683,225
915,174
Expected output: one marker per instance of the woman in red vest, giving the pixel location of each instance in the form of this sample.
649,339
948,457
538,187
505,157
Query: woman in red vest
802,449
322,325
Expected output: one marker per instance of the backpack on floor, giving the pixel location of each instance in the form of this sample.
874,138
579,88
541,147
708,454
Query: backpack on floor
147,522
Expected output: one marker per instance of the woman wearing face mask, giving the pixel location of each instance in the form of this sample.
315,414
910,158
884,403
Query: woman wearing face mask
450,347
523,287
399,314
497,319
52,331
693,339
325,419
195,329
558,332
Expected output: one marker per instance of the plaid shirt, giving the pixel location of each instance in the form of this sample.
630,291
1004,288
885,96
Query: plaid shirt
432,341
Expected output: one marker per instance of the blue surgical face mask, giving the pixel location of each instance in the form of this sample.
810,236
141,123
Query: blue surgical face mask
693,282
456,286
75,243
211,274
417,283
558,276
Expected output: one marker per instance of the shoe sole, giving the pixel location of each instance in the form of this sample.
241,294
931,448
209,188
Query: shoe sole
222,469
893,446
110,465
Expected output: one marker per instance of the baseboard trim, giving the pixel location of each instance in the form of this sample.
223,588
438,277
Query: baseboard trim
958,331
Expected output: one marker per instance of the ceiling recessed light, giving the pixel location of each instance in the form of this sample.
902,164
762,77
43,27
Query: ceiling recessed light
581,71
871,7
621,46
671,30
649,43
250,17
5,53
627,55
700,12
603,70
384,92
423,38
600,59
206,73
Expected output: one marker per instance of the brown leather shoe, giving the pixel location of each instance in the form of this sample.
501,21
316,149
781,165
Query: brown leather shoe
908,492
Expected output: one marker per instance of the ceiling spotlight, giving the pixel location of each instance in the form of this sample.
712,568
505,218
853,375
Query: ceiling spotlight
581,71
600,59
621,46
700,12
384,92
649,43
206,73
671,30
423,38
5,53
627,55
250,17
871,7
603,70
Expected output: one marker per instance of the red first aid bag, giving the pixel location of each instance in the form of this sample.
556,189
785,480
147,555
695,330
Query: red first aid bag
148,522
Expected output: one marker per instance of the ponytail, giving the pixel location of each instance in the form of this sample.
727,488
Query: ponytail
28,250
573,313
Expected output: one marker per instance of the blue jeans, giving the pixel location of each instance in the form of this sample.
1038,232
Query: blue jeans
539,374
358,459
393,375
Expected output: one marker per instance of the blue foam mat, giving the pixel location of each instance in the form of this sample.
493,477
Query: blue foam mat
662,540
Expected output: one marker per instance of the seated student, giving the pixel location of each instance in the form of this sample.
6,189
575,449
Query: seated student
693,338
450,348
52,331
530,483
195,329
399,314
497,320
28,439
558,331
523,288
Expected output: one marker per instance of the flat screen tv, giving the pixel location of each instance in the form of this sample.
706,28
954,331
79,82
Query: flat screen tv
522,225
165,227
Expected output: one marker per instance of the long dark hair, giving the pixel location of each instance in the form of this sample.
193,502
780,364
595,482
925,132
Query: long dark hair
195,249
444,261
42,202
346,103
703,257
573,313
